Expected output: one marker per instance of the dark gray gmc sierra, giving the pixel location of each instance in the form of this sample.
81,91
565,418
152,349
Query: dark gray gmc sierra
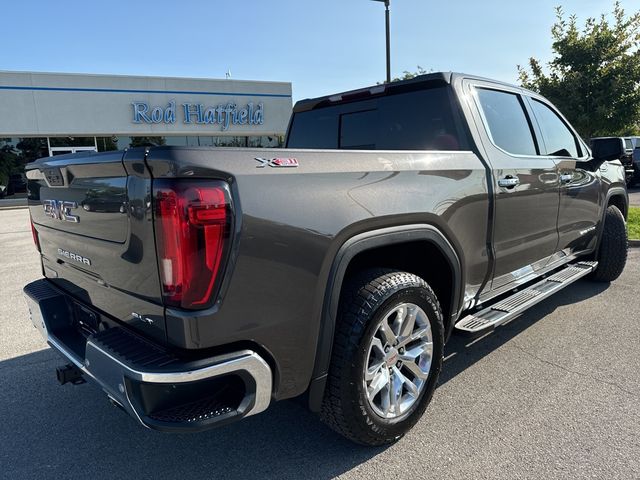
196,286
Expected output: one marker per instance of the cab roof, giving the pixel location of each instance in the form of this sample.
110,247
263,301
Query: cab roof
428,80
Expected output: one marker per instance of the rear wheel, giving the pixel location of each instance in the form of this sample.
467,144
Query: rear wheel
386,358
612,253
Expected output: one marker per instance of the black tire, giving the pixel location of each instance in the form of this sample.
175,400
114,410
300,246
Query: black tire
364,302
612,253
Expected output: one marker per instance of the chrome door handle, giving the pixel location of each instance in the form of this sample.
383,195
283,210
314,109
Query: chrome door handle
566,178
508,181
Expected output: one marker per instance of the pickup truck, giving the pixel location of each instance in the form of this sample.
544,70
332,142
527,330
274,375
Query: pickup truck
197,286
631,162
632,171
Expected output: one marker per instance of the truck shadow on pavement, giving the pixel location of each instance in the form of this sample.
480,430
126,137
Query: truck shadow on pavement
462,351
49,431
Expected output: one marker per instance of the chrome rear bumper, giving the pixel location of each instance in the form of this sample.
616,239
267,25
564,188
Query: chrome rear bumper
152,385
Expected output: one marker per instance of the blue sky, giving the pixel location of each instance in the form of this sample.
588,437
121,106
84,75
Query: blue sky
320,46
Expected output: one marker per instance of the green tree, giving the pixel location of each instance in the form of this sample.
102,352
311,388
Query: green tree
8,162
406,75
594,77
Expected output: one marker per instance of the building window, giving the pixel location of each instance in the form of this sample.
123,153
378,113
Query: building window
176,141
15,153
72,141
266,141
106,144
144,142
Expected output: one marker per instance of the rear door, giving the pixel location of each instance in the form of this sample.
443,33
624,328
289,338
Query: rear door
581,196
525,184
92,214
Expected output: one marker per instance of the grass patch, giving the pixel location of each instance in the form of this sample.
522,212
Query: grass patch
634,223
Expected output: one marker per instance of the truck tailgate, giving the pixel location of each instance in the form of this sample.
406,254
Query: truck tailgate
92,215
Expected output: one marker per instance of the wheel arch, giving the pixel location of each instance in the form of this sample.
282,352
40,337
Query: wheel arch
617,196
365,244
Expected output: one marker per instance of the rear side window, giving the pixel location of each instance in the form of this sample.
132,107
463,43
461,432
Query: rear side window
507,121
419,120
558,139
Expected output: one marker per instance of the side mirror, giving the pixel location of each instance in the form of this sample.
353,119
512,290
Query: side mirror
609,148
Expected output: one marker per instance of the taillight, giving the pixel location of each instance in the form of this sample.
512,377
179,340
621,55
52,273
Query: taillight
192,227
34,232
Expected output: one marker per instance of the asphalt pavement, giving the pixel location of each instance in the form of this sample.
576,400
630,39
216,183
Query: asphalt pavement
553,394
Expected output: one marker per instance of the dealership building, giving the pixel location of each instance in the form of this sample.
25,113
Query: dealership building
44,114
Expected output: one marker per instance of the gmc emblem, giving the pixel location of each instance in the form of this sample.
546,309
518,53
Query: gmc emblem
60,210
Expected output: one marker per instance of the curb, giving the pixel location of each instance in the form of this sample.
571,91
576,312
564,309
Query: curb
634,243
14,207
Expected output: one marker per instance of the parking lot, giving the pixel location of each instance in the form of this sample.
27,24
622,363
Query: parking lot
554,394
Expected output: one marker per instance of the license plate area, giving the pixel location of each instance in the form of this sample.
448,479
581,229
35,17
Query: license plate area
85,320
88,321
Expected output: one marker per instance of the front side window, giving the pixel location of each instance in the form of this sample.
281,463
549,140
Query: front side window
559,141
507,121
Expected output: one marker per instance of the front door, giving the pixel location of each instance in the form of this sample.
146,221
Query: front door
526,186
580,192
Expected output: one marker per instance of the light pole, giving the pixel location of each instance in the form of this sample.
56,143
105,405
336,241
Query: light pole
386,16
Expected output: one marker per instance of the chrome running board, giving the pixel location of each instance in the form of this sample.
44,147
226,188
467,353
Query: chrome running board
512,306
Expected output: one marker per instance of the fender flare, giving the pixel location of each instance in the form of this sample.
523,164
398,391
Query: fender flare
349,249
616,192
612,192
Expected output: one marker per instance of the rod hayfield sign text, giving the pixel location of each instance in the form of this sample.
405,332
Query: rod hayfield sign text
221,115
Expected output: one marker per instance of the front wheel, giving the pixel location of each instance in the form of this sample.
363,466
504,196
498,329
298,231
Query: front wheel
612,253
386,358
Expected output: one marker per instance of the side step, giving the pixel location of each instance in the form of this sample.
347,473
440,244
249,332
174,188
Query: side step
510,307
